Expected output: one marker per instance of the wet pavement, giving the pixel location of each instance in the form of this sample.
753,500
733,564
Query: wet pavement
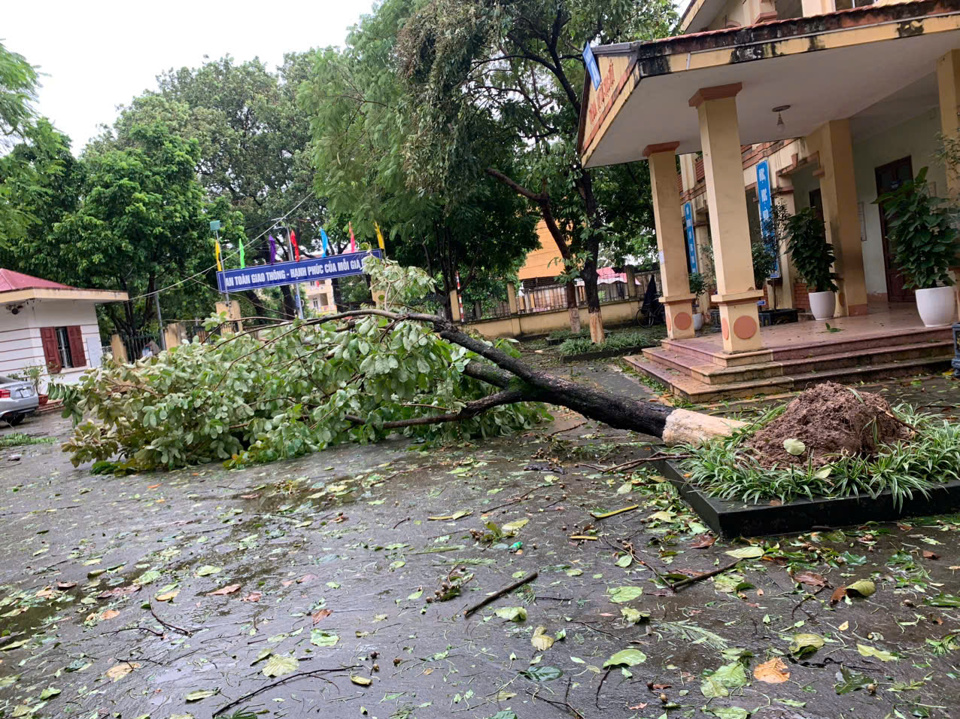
119,596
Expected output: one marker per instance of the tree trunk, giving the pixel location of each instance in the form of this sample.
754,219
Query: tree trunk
526,384
589,274
288,308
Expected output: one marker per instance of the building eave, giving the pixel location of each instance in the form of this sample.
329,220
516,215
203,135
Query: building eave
67,294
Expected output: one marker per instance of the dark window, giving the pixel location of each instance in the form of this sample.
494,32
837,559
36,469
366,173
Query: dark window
63,347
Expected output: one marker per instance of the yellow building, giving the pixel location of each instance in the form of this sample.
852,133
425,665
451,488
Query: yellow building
829,106
320,298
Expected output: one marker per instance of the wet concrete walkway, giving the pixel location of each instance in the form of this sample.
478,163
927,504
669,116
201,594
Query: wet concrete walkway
301,589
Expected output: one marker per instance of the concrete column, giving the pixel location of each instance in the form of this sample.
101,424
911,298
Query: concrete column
512,298
631,281
667,217
454,306
729,225
173,335
818,7
948,81
838,188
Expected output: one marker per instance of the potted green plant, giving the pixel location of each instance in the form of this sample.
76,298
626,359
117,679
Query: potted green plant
697,287
34,374
920,227
813,260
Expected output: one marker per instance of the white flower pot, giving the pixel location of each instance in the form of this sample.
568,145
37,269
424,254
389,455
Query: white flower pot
697,321
822,305
936,306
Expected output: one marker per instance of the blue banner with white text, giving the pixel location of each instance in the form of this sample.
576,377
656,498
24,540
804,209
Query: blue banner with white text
290,273
692,264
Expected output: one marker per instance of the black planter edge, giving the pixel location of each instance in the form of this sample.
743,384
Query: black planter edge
736,519
602,354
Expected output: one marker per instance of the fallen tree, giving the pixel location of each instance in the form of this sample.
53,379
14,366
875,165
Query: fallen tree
357,376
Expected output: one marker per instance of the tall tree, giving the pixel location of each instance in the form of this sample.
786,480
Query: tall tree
140,226
446,220
521,59
18,86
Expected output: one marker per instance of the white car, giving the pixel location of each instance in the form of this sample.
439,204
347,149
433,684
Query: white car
18,399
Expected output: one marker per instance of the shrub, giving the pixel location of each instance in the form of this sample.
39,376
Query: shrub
812,255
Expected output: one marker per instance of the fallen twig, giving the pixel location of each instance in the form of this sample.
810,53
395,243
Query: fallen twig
656,457
567,429
168,625
266,687
706,575
499,593
614,513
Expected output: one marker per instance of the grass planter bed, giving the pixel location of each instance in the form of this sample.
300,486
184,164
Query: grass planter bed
601,354
833,457
730,518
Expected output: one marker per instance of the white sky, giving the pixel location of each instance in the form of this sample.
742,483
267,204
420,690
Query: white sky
98,54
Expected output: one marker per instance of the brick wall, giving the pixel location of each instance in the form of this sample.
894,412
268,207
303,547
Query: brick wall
800,299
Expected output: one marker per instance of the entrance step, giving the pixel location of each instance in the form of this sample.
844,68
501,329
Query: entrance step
713,374
695,390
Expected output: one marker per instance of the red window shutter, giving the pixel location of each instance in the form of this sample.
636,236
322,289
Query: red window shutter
48,336
76,346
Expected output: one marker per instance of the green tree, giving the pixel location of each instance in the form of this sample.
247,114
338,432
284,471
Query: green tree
521,60
140,226
18,86
448,221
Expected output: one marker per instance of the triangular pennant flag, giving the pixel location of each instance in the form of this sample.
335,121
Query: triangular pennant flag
379,236
243,259
353,240
296,247
216,252
273,249
325,249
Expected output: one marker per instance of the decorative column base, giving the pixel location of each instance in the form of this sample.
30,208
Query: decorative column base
679,315
740,321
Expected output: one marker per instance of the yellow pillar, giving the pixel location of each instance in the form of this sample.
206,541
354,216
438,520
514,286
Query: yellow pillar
454,306
677,299
729,224
512,297
631,281
817,7
948,81
118,349
838,188
173,335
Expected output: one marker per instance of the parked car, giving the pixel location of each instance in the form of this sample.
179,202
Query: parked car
18,400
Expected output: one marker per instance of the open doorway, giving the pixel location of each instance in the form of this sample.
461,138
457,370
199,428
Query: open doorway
890,177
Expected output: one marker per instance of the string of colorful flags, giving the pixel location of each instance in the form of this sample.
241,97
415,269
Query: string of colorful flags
294,246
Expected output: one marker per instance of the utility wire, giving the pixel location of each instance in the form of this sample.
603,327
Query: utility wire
253,243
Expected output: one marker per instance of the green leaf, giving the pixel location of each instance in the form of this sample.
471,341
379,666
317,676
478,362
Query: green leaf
48,693
951,601
806,644
851,681
620,595
729,676
201,694
512,614
625,561
752,552
626,658
279,665
794,447
320,638
538,673
633,616
862,588
729,712
883,656
206,570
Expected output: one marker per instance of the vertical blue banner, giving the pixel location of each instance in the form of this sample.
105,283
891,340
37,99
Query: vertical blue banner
691,238
765,199
591,62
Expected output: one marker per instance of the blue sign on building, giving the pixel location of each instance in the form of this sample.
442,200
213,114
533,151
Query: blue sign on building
591,62
289,273
691,238
765,199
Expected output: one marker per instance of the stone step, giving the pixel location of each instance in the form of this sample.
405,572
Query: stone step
830,345
696,391
716,375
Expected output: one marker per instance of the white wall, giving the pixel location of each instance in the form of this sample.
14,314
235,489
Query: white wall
916,138
20,344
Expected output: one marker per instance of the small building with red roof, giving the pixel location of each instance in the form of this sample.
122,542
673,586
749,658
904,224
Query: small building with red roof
50,324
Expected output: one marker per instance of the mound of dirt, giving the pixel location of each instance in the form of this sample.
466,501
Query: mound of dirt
832,421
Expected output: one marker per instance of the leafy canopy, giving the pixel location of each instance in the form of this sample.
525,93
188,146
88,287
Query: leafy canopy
297,388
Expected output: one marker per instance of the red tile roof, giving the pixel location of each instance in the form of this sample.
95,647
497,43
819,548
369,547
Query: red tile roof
11,281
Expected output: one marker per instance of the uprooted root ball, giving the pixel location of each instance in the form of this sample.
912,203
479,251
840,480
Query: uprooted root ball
832,421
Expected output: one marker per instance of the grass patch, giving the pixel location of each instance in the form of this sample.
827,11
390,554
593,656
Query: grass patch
19,439
722,469
647,337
